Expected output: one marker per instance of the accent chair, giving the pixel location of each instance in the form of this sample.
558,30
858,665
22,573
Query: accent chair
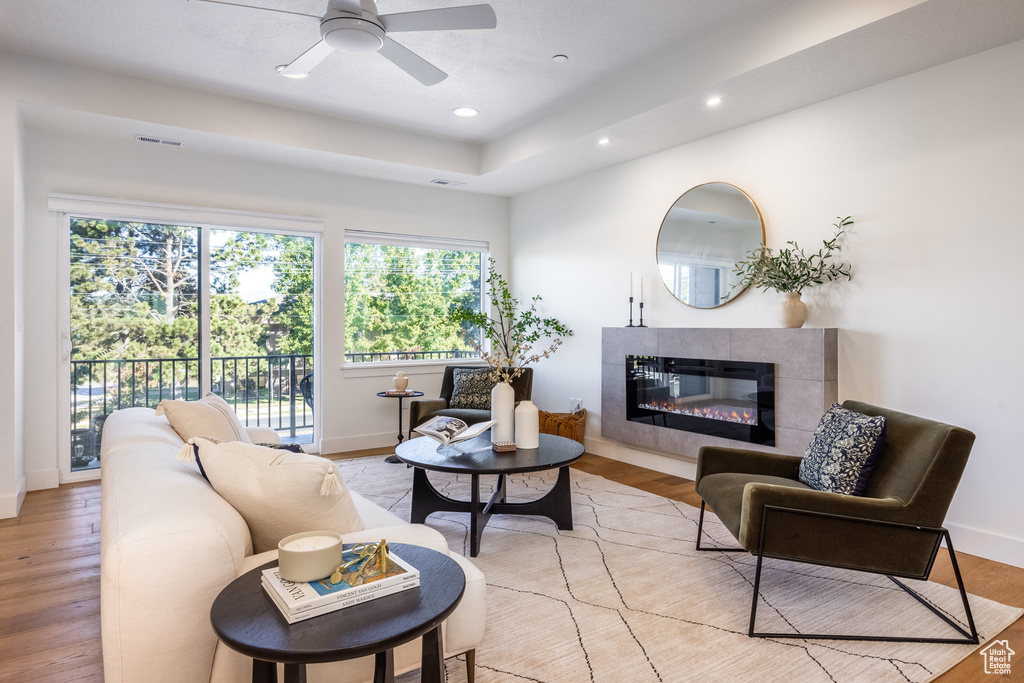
422,409
895,528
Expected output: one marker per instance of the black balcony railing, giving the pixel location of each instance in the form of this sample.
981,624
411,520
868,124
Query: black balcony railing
384,356
263,390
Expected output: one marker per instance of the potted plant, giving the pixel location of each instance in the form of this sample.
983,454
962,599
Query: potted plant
512,330
792,270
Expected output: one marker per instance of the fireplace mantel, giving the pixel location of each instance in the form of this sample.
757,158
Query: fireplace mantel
806,380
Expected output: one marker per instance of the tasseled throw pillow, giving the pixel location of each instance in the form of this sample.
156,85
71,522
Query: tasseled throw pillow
843,451
277,492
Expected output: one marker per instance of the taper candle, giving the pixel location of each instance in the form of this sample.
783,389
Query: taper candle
631,283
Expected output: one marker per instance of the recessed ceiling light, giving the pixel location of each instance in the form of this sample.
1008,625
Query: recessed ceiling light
281,67
560,58
714,101
465,112
604,141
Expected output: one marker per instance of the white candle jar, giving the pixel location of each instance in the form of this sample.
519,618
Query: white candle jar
309,555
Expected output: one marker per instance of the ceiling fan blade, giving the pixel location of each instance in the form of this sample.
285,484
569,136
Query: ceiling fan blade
262,9
350,6
411,63
445,19
302,64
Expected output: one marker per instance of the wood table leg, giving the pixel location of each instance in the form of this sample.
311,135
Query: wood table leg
264,672
384,667
432,658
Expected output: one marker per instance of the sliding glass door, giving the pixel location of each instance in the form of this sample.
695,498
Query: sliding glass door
168,311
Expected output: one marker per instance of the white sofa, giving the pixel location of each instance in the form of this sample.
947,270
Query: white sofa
169,544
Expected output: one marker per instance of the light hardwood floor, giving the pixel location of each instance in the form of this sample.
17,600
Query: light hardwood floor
50,580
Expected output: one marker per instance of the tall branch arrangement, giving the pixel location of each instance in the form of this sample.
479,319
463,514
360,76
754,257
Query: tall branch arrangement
511,329
792,269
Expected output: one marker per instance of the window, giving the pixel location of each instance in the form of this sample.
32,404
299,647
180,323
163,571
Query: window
398,291
171,302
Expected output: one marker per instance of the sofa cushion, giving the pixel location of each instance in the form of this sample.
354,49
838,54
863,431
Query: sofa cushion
472,388
277,492
843,451
209,417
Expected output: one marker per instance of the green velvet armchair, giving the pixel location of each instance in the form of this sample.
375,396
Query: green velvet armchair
422,409
895,528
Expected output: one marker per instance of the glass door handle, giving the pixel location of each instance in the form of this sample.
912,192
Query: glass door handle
65,346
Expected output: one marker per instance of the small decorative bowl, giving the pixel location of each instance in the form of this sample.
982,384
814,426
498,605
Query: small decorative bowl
309,555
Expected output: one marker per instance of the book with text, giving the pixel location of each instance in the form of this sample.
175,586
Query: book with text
358,579
449,430
309,613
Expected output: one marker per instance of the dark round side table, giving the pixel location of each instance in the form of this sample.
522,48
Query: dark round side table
409,394
246,619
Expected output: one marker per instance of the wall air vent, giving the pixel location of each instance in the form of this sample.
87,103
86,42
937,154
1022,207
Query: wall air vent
447,183
157,141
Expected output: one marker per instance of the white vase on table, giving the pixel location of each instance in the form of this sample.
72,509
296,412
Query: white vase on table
527,425
503,405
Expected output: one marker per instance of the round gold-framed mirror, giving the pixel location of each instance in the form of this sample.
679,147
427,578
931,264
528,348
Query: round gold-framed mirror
705,232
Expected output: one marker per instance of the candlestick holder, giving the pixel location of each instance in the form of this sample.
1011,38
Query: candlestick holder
641,315
630,313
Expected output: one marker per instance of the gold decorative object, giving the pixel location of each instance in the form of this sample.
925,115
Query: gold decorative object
372,560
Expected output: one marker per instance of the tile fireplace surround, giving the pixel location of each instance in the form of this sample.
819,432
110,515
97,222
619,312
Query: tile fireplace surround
806,380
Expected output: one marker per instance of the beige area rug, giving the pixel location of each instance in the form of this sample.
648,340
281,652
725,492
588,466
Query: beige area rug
625,597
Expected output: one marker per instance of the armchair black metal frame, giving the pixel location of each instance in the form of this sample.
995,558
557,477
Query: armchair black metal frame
940,534
895,529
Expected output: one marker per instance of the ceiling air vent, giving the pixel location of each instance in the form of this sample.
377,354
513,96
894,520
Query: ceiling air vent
157,141
447,183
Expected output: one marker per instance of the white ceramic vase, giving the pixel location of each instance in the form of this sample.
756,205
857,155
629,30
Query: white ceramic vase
400,381
503,406
792,310
527,425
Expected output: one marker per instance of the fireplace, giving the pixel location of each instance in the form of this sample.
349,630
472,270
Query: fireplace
724,398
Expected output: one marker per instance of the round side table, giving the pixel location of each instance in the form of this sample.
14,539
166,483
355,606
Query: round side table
246,619
407,394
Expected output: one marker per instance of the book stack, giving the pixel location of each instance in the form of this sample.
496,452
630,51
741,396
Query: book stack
301,601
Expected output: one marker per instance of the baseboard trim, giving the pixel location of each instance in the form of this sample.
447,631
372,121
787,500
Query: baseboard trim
676,465
43,479
11,505
996,547
344,444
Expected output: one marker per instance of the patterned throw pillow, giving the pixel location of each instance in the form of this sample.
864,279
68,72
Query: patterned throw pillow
843,451
472,388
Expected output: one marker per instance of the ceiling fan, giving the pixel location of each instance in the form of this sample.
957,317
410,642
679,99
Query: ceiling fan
354,26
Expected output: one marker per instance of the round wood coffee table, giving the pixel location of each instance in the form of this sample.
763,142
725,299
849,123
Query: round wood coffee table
245,618
475,457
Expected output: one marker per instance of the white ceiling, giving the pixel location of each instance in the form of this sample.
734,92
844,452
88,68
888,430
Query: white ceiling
638,72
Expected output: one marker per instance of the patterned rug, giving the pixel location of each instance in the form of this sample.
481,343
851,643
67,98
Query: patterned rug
625,597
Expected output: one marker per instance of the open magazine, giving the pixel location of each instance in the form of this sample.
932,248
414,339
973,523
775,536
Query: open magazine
449,430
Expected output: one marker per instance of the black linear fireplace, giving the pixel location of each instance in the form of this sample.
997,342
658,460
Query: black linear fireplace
723,398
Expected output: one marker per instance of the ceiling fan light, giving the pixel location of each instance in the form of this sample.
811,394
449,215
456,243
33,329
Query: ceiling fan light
465,112
352,35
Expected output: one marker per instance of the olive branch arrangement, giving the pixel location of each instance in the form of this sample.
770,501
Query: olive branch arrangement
792,269
512,330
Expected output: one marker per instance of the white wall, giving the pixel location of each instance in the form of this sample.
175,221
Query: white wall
354,417
931,168
12,226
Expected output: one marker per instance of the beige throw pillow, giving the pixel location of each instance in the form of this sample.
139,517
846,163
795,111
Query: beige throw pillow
278,493
211,417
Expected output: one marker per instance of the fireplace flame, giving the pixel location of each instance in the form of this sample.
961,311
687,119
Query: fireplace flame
742,416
